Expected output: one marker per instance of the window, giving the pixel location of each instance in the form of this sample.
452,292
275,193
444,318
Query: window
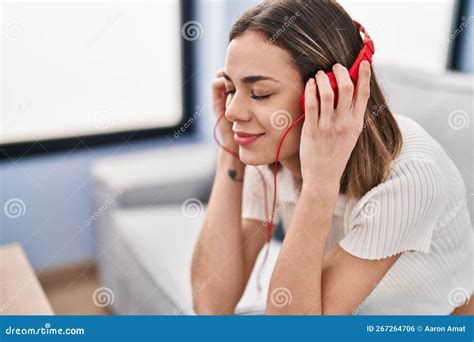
92,72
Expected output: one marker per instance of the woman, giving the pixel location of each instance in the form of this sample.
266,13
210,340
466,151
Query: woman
364,195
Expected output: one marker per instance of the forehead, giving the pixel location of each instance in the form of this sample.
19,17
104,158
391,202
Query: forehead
252,54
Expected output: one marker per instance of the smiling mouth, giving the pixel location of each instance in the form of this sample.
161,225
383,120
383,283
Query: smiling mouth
242,138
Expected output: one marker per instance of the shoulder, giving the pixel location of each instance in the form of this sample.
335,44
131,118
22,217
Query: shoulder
414,186
422,168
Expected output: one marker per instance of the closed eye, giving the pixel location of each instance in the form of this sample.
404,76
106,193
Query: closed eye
252,96
259,98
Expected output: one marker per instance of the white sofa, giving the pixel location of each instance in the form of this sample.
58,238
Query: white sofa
145,242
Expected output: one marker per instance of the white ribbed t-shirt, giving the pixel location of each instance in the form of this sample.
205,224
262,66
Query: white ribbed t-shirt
420,210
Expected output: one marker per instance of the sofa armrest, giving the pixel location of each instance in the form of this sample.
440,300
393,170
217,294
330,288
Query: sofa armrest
164,176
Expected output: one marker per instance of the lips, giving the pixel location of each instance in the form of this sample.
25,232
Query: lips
244,138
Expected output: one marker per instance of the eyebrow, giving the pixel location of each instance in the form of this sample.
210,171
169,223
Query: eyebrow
252,79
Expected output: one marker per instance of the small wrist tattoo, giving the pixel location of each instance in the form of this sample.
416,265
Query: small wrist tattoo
233,175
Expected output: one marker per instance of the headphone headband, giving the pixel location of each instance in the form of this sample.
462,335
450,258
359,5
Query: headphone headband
365,54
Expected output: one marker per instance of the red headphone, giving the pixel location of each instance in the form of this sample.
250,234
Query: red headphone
364,55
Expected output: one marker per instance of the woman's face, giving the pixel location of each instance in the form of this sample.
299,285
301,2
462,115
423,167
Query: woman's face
264,93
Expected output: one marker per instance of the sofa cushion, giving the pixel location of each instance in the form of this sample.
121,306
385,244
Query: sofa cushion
147,262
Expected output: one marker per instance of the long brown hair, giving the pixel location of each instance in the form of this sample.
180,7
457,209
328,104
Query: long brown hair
319,34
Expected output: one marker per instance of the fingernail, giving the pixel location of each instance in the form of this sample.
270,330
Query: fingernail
320,72
365,64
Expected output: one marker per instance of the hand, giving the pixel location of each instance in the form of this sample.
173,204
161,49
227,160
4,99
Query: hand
219,99
329,134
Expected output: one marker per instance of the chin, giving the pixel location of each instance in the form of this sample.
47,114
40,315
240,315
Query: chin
249,157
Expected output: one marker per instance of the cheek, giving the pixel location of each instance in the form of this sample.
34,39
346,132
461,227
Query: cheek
277,120
283,115
292,142
278,123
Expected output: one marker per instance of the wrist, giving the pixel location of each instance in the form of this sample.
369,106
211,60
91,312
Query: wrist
316,188
228,161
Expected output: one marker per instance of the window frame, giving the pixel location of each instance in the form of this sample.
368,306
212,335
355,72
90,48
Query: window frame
456,45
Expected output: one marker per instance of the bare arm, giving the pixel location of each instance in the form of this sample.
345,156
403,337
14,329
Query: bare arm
227,247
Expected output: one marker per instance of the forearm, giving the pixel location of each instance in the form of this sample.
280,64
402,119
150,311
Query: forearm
299,265
218,260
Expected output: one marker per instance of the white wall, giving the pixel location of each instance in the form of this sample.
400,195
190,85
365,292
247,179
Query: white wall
411,33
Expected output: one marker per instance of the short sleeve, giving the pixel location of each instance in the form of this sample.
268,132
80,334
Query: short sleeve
399,214
257,189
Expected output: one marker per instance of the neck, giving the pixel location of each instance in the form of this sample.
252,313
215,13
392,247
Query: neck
294,165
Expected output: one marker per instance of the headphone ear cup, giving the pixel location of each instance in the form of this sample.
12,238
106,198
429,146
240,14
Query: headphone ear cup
332,82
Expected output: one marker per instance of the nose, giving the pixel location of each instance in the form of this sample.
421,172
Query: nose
236,109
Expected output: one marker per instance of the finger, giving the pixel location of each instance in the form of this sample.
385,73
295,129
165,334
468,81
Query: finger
326,97
345,88
311,105
220,73
362,90
218,85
